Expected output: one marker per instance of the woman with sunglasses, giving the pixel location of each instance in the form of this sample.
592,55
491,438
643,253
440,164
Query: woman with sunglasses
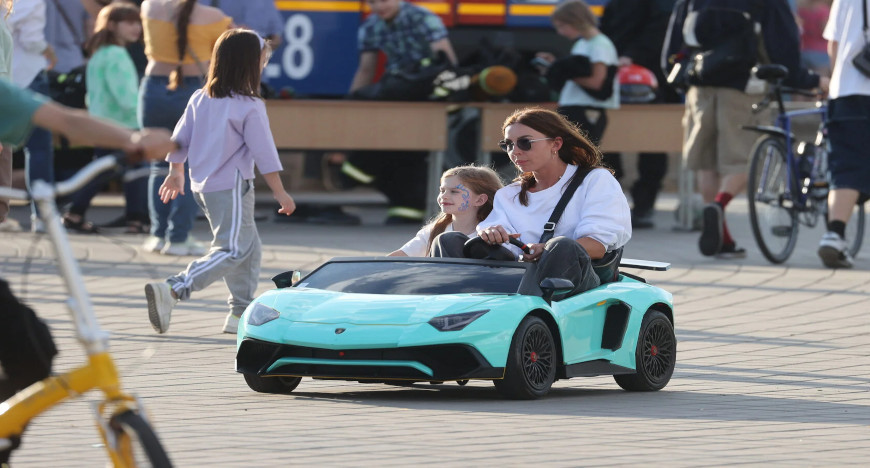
549,151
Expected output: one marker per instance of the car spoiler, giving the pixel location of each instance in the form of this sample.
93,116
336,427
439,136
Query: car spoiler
644,264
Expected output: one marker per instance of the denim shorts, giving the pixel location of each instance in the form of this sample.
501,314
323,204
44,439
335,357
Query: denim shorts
160,107
849,134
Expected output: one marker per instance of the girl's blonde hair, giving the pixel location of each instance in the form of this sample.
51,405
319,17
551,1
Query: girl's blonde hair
480,180
112,13
6,5
575,13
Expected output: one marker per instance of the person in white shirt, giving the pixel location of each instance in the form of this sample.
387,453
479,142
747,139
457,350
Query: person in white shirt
32,56
549,151
465,197
848,127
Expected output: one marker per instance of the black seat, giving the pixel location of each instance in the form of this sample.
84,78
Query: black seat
607,267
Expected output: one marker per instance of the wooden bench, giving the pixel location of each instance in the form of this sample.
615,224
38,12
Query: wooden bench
364,125
422,126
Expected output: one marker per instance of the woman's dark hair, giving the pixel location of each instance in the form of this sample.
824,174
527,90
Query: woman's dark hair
181,24
112,13
576,148
235,65
480,180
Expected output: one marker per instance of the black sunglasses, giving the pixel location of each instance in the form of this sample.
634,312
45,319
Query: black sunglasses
523,143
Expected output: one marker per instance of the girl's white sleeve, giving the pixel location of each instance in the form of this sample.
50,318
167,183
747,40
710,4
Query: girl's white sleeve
416,247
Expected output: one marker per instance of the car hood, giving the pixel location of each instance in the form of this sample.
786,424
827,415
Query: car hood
319,306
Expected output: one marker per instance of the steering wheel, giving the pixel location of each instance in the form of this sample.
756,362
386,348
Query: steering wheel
478,248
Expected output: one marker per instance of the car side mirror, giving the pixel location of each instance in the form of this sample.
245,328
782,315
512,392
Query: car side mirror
555,287
286,279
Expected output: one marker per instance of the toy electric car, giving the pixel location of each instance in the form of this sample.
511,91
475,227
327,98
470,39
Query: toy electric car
402,319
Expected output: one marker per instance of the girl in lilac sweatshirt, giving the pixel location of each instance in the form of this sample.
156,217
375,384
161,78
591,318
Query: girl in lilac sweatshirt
223,134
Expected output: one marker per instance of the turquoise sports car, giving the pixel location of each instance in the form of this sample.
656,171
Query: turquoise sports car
404,320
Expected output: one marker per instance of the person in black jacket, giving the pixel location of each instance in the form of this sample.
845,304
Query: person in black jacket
719,101
637,29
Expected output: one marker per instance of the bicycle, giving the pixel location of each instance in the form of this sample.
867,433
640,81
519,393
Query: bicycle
123,427
787,184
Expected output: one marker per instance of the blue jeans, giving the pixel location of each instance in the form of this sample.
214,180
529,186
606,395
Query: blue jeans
162,108
39,149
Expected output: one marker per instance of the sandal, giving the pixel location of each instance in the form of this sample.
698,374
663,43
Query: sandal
136,227
78,224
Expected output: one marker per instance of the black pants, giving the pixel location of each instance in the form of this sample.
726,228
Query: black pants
562,258
399,175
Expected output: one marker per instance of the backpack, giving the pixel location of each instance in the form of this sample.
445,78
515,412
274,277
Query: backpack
26,346
725,43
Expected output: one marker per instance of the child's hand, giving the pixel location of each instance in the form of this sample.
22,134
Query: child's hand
172,187
288,206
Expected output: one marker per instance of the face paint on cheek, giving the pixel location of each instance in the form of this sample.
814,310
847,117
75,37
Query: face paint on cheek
466,197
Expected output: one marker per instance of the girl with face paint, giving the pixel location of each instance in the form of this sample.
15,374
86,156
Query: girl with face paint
465,197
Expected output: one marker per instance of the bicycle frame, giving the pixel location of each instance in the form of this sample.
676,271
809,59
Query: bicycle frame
783,128
100,371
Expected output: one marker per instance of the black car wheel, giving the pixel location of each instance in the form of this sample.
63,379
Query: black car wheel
656,355
531,364
272,384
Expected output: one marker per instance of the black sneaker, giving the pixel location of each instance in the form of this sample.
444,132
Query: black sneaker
710,242
731,252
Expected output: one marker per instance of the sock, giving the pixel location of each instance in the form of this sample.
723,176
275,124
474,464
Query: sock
723,198
726,236
839,227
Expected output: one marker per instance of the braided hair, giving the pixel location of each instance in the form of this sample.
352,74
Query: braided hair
181,23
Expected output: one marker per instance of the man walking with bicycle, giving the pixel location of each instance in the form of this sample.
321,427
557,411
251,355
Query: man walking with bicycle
711,48
848,125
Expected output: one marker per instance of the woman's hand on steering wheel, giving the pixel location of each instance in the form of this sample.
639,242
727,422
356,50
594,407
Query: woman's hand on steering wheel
494,235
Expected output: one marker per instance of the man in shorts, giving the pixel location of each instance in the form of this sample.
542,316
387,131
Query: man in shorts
848,130
714,144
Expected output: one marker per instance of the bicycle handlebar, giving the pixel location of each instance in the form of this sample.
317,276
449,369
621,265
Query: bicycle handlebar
77,181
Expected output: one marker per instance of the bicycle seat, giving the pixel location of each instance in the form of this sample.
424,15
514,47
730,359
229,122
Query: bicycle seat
770,72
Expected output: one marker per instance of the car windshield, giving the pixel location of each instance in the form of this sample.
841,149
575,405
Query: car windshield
415,278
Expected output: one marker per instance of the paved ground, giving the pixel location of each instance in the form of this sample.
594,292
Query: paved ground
773,368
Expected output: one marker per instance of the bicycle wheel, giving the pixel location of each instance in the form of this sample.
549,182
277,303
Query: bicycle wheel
855,230
137,443
771,212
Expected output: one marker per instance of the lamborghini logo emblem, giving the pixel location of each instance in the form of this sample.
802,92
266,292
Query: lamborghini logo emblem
339,331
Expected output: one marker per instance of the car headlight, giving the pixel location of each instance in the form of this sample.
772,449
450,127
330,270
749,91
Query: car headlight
261,314
454,322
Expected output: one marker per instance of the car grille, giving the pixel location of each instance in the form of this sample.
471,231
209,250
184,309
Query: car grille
447,362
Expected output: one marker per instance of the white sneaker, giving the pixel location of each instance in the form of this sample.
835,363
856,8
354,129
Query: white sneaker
160,303
37,226
231,324
10,225
190,246
834,251
153,244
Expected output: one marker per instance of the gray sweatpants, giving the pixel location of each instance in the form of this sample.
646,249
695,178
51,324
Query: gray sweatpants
235,252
